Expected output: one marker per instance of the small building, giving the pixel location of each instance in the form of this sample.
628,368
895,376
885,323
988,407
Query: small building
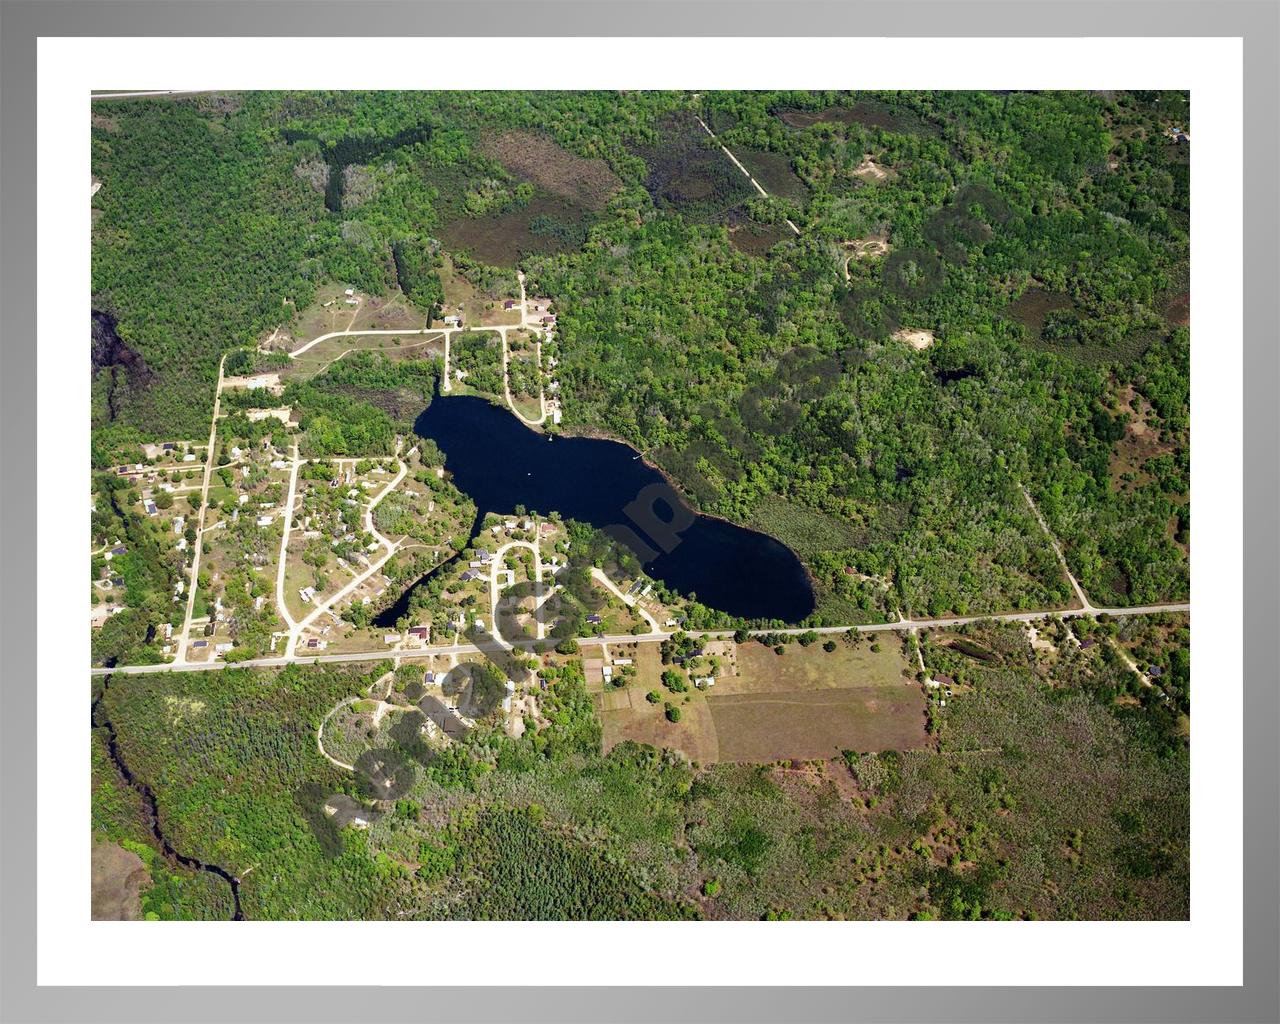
1086,644
150,507
479,623
391,638
189,457
350,293
420,632
622,661
470,575
118,550
509,304
595,620
453,320
200,643
264,520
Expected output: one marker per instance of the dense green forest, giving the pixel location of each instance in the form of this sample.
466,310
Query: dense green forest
1041,238
1042,800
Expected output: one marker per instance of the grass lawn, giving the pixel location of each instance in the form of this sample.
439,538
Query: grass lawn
812,668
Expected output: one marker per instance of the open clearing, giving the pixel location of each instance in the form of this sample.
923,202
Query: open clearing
330,312
811,668
582,181
118,876
871,171
818,723
917,339
804,703
810,703
477,308
410,346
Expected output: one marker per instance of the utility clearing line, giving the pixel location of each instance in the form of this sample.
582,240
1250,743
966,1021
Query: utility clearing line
738,164
1057,550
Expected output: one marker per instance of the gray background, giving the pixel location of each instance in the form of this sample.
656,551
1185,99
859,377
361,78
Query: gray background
22,22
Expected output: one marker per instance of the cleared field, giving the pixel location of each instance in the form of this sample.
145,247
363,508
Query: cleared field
408,346
812,668
626,715
818,723
585,182
805,703
479,308
330,312
117,876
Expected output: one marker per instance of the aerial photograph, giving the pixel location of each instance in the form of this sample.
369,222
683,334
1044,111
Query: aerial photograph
640,505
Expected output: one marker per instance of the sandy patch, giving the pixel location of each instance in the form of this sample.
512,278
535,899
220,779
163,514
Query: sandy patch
283,414
869,170
917,339
118,877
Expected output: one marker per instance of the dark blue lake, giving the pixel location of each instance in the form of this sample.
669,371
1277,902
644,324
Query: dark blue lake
500,463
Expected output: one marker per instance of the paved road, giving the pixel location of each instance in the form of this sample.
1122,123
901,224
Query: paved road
627,638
